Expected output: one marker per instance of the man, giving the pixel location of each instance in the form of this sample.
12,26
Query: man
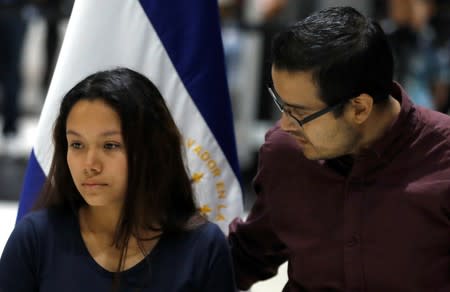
353,185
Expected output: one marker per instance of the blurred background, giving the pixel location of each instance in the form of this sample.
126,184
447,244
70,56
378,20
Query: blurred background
31,33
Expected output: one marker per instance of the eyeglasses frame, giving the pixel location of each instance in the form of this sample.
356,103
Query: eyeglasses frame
280,105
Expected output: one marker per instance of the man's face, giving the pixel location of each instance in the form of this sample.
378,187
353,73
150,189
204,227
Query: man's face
325,137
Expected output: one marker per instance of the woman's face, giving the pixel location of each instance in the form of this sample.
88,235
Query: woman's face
96,153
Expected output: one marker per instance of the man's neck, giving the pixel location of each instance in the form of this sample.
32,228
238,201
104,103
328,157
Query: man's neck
380,121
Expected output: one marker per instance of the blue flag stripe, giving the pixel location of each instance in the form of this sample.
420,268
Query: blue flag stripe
34,180
185,45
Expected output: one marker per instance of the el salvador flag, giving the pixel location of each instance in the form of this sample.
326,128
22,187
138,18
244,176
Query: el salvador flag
175,43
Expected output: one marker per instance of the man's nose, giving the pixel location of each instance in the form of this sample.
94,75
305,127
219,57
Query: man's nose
288,123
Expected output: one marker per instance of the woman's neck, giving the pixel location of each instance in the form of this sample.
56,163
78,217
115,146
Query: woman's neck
99,220
98,230
102,223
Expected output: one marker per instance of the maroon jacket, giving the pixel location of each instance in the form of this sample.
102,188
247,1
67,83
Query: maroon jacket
384,226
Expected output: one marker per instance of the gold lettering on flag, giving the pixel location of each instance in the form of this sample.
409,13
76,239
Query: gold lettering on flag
214,170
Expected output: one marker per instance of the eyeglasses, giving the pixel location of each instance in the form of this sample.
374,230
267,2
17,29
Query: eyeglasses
281,105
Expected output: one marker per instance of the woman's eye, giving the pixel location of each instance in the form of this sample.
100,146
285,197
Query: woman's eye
75,145
111,146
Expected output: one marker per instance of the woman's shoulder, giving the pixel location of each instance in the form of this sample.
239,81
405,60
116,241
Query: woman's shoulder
201,235
208,236
46,215
32,230
44,221
207,229
34,219
36,216
198,245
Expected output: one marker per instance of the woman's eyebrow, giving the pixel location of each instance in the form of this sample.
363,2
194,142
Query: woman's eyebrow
104,134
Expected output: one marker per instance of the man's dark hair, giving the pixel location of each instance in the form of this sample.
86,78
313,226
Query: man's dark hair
347,53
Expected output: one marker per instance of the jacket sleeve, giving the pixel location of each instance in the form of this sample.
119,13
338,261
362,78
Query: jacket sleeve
18,271
256,250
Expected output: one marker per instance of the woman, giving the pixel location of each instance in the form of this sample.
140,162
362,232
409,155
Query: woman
117,212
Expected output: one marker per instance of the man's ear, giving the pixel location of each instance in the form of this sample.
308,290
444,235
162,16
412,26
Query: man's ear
360,108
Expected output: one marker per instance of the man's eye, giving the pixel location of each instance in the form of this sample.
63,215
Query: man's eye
299,113
295,113
288,110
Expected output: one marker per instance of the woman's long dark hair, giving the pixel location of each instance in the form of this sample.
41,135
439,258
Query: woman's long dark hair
159,194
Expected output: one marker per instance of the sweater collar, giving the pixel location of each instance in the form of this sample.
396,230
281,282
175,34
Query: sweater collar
396,137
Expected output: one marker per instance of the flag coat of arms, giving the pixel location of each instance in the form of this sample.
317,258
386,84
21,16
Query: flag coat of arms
176,44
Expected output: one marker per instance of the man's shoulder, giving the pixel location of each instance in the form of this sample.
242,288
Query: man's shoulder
281,153
433,124
277,139
429,146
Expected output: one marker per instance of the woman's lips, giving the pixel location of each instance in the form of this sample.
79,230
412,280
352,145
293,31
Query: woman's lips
93,184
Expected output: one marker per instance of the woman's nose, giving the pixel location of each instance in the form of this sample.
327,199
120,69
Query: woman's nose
92,163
